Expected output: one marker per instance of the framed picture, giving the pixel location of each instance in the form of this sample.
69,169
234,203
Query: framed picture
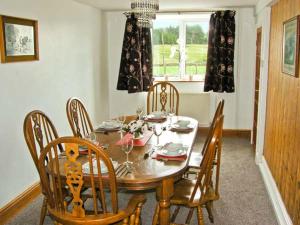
290,54
18,39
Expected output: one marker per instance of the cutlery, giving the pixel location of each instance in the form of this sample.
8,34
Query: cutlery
149,153
121,170
105,146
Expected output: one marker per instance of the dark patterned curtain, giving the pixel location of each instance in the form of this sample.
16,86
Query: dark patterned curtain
220,57
135,74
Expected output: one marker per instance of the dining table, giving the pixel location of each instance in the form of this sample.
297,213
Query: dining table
148,172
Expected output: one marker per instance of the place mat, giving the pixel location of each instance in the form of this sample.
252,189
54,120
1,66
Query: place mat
136,142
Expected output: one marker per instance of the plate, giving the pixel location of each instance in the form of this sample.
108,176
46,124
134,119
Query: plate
182,124
86,167
176,126
109,125
82,148
156,115
173,150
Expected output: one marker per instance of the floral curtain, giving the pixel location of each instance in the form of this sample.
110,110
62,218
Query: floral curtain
220,57
135,74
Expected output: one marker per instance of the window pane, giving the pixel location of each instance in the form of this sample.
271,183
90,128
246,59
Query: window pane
196,48
165,48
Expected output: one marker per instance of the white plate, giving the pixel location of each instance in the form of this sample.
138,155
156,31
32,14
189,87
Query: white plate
176,126
82,148
173,149
109,125
86,167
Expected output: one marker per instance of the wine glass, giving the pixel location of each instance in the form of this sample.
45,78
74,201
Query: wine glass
121,119
157,130
171,113
127,146
92,137
139,112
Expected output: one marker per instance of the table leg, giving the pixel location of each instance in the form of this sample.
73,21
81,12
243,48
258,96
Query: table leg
166,192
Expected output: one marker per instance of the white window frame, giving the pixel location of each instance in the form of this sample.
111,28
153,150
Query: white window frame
182,19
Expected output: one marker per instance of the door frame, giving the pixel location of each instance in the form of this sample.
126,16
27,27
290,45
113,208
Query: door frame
265,23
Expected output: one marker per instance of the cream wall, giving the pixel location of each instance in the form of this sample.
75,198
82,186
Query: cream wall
69,65
238,106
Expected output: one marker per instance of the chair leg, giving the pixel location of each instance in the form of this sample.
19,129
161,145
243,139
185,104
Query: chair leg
138,215
209,206
156,215
125,221
200,216
132,219
189,217
43,211
175,214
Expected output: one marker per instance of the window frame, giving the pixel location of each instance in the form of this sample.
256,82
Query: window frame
183,20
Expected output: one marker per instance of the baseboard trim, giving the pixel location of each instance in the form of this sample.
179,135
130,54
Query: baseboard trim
282,215
21,201
230,132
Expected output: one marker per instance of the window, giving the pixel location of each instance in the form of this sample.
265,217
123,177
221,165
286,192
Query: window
180,47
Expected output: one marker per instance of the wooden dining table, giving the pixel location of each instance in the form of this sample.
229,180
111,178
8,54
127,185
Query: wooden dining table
149,173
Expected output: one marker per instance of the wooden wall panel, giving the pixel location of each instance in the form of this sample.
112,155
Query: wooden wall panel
282,136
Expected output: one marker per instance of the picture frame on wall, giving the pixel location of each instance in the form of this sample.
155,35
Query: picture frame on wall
290,46
18,39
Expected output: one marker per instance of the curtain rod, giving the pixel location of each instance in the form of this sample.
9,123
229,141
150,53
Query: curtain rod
187,12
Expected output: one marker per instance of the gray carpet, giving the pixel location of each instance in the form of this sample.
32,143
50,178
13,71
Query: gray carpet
244,200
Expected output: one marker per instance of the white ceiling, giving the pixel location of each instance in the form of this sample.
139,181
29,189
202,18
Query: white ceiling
166,5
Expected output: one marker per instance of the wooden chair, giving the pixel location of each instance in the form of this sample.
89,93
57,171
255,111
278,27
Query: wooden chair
196,158
196,193
56,173
38,132
78,118
162,96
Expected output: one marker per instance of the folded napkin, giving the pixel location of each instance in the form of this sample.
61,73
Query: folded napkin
169,158
86,167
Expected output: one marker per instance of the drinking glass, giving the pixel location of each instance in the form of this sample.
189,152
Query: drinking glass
127,146
171,113
139,112
92,137
157,130
122,119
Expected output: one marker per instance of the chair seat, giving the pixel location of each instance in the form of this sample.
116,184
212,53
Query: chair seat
195,160
182,193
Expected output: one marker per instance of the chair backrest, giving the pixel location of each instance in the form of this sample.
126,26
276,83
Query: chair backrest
57,172
162,96
78,118
38,132
204,175
218,113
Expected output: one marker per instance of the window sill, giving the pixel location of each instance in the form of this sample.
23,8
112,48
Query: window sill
172,79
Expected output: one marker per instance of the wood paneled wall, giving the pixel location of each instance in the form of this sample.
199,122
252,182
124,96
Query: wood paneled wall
282,136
